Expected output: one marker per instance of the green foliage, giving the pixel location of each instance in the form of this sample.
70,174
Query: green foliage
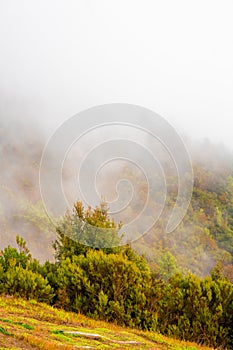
108,286
167,265
25,283
10,257
17,279
196,310
4,331
82,229
24,325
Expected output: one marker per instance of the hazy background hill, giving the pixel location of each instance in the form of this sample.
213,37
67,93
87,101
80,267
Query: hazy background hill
203,238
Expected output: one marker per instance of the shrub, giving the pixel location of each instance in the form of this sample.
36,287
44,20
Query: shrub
27,284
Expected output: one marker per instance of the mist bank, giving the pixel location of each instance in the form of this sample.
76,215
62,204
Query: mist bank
196,244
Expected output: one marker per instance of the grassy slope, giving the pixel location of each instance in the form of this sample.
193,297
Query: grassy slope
31,325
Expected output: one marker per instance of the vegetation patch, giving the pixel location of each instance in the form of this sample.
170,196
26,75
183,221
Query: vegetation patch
4,331
24,325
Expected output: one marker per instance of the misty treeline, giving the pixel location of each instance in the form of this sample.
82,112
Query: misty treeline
117,285
203,239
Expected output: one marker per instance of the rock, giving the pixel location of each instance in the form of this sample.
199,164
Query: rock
126,342
86,335
95,336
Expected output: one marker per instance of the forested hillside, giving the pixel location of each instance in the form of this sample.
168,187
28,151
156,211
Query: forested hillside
205,237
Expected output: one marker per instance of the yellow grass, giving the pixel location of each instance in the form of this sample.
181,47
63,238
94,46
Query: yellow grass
31,325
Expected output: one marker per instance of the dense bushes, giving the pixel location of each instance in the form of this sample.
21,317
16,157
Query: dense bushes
199,310
107,286
117,285
25,283
16,277
120,288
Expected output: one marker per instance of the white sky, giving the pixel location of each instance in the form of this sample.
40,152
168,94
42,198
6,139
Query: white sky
175,57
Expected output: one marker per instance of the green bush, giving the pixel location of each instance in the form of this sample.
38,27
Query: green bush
108,286
25,283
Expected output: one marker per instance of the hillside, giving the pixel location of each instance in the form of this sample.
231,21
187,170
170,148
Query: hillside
179,284
204,238
31,325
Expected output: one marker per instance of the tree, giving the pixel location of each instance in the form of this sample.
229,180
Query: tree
12,257
167,265
82,229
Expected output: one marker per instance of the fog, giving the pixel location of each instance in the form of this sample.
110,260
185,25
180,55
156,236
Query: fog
59,58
